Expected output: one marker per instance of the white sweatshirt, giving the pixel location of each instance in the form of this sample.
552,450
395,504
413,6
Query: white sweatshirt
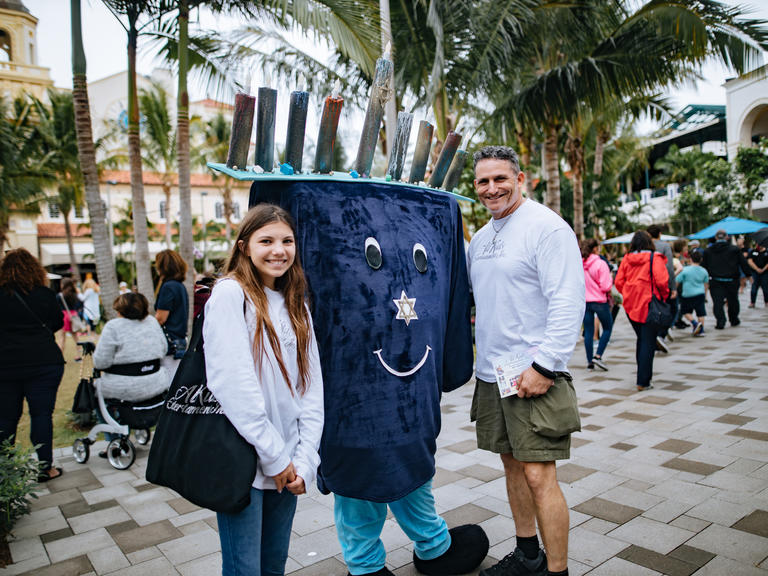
528,286
283,427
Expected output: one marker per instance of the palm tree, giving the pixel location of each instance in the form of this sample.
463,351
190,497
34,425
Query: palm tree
215,134
56,146
133,11
21,181
593,54
160,144
101,245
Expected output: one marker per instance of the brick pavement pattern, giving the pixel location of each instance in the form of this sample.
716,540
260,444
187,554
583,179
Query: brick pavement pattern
673,481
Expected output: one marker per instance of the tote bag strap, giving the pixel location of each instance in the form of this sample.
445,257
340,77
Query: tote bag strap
652,283
35,316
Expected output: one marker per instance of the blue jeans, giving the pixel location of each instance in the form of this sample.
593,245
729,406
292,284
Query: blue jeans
645,350
603,311
254,542
39,385
359,524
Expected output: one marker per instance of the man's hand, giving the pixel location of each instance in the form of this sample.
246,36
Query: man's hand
285,477
673,294
533,384
297,486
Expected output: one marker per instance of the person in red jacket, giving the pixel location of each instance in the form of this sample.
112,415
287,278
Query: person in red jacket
634,282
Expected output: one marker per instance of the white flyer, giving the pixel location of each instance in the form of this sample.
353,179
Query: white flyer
508,369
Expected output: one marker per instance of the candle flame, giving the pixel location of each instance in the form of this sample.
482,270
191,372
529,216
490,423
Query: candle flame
388,51
336,92
301,83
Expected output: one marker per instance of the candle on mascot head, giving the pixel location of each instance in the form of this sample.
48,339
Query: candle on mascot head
297,122
265,128
450,146
421,153
326,137
380,93
400,145
242,125
455,170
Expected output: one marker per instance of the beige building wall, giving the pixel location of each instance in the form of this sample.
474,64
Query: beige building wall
19,71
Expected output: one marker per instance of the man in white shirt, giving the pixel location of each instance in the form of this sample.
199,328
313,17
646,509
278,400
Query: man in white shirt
528,283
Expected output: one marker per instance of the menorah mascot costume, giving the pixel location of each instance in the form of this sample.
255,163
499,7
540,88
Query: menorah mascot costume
390,299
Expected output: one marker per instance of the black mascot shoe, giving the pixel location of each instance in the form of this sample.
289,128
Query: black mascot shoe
469,547
383,572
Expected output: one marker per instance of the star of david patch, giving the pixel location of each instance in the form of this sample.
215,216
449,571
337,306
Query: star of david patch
405,308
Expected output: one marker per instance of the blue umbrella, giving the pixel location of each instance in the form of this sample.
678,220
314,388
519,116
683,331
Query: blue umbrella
731,225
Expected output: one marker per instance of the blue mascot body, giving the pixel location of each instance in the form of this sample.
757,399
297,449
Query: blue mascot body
390,303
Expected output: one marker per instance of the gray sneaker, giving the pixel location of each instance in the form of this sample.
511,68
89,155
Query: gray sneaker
600,364
516,564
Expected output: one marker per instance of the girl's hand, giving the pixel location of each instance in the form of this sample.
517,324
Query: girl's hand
285,477
297,486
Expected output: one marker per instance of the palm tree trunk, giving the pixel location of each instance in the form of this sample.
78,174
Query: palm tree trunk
524,145
140,234
551,169
597,169
575,154
168,221
71,248
186,239
578,200
102,248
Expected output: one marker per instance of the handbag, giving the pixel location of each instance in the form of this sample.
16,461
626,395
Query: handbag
196,450
84,401
75,322
659,312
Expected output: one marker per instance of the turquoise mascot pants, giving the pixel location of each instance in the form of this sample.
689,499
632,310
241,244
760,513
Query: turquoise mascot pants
359,524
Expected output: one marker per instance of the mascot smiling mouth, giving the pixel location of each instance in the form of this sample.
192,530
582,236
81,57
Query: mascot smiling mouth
406,310
394,372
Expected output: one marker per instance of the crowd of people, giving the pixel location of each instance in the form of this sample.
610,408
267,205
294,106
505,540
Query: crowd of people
36,324
681,275
531,299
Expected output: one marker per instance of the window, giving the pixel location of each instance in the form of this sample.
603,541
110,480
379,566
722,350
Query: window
5,46
53,209
236,210
163,210
219,211
79,211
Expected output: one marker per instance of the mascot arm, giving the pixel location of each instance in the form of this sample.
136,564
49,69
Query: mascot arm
458,353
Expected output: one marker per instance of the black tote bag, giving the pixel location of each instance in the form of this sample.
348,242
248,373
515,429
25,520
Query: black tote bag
196,450
659,312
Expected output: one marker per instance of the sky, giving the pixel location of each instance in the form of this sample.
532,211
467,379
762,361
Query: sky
105,41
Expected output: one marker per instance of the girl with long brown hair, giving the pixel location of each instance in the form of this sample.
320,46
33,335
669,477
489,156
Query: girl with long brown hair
263,367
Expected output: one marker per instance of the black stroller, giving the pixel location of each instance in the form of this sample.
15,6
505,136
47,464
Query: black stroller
120,417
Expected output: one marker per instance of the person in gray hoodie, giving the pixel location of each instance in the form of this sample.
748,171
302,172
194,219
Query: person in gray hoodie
665,250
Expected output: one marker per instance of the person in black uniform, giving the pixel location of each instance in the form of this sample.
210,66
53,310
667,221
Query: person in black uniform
723,261
758,264
32,362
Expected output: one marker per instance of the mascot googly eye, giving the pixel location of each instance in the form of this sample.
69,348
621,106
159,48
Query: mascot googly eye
420,257
373,253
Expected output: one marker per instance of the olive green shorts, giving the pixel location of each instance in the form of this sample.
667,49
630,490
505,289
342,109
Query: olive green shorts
531,429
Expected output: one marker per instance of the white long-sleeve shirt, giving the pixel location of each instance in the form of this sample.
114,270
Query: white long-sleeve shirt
528,284
283,427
